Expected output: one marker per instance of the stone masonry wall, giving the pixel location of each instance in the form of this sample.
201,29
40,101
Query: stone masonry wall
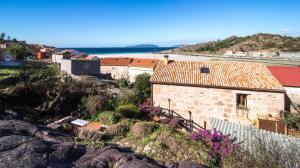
117,72
205,103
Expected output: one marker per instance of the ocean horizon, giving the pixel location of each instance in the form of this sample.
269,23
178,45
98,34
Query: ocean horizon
121,50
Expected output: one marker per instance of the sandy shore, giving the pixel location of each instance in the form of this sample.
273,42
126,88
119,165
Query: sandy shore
157,56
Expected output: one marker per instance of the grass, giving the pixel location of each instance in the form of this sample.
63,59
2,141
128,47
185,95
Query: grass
165,143
5,71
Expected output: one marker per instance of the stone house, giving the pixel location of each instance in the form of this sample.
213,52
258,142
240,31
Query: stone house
289,77
116,66
139,66
235,91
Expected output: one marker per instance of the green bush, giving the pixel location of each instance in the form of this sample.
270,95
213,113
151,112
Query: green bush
92,104
126,96
292,120
128,111
119,129
122,83
108,117
141,129
142,87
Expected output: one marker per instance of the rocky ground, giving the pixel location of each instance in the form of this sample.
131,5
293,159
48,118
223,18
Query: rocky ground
28,146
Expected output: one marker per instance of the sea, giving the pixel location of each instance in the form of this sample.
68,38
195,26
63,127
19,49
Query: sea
121,50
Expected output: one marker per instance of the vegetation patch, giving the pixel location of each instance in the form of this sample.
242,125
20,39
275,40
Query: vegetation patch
143,128
6,71
108,117
120,129
128,111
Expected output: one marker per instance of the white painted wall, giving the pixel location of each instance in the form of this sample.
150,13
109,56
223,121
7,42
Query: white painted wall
294,95
66,65
134,71
56,58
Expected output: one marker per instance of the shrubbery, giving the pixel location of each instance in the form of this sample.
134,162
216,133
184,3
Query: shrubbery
122,83
220,145
264,152
141,129
120,129
108,117
142,87
292,120
148,110
126,97
128,111
92,104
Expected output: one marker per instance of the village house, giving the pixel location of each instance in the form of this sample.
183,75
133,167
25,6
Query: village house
3,45
117,67
235,91
140,66
6,56
289,77
80,67
65,54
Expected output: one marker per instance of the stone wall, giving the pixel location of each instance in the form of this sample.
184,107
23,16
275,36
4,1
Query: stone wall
205,103
117,72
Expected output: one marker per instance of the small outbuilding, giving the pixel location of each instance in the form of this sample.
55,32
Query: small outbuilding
117,67
140,66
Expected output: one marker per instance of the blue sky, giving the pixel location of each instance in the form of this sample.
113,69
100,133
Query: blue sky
103,23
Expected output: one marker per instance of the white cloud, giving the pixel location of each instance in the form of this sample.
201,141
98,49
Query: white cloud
286,30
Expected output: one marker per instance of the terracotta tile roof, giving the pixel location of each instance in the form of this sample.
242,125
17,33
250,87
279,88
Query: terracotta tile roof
115,61
236,75
144,63
287,76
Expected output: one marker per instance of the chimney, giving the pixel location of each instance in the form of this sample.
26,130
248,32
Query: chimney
166,60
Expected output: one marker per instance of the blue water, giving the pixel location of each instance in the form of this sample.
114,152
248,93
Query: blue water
121,50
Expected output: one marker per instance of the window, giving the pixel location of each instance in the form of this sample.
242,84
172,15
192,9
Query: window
241,101
204,69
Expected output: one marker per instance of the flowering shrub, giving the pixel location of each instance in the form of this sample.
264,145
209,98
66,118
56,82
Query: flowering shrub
147,109
220,145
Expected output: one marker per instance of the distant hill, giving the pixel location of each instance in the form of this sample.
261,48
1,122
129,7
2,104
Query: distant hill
256,42
144,46
178,45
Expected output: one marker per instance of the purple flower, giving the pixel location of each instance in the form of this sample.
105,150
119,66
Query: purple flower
220,145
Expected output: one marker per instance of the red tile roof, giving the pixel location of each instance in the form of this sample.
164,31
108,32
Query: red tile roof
287,76
115,61
234,75
144,63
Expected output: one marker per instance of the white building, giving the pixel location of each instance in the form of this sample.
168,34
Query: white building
140,66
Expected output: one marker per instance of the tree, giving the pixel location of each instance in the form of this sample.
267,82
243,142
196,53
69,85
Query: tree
142,87
18,50
2,36
8,38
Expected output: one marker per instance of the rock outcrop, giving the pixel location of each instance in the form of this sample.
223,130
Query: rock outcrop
25,145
